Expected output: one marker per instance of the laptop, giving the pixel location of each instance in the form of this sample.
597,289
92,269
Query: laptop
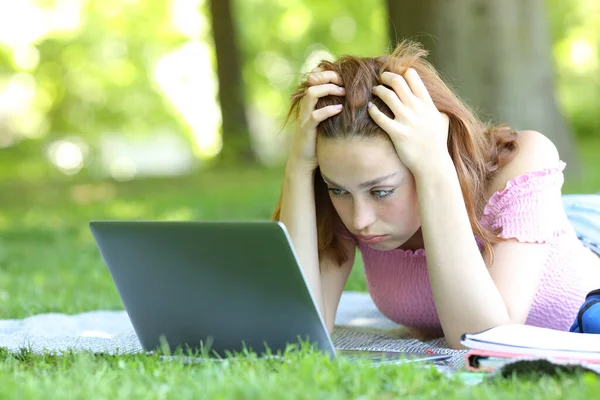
222,286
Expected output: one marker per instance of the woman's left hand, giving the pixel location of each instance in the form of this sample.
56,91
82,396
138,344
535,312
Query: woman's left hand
419,131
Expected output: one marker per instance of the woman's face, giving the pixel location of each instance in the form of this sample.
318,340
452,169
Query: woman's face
371,190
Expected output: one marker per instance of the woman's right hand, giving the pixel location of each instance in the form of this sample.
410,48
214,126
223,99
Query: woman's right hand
321,84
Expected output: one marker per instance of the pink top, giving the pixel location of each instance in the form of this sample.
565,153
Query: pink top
529,209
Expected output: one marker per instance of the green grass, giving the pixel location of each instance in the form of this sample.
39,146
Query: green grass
302,375
49,263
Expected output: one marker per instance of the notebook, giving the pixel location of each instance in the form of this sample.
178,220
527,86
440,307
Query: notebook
490,349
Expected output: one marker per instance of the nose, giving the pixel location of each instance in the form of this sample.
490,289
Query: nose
364,215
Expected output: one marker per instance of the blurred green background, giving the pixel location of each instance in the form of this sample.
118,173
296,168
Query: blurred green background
125,89
173,109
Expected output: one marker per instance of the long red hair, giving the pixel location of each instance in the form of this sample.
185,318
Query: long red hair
477,149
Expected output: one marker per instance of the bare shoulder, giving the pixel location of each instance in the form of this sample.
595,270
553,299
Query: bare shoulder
535,152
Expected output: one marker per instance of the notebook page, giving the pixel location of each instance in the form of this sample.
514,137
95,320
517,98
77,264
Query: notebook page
535,338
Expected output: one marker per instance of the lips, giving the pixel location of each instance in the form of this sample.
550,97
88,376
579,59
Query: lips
372,239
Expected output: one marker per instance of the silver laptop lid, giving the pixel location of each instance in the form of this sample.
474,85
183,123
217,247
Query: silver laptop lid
221,284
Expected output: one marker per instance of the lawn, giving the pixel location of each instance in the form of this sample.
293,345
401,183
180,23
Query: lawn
49,263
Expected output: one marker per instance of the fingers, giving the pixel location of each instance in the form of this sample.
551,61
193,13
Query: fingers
390,98
320,115
325,90
386,123
400,86
318,77
314,93
416,85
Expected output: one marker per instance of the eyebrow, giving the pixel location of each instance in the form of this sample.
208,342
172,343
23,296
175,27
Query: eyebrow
363,185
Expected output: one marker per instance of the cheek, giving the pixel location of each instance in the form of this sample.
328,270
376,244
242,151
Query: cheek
400,211
403,209
406,205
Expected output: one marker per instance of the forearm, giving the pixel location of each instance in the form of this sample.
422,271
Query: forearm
465,295
298,214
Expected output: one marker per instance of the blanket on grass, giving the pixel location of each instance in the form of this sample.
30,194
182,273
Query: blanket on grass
359,325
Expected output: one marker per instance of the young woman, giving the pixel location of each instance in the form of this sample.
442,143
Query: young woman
461,225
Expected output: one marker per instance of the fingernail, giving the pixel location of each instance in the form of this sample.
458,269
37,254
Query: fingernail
342,90
369,105
338,106
373,88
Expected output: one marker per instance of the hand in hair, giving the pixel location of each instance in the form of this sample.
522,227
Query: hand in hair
419,131
321,83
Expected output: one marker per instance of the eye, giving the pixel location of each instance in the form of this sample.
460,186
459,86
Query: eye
382,193
337,192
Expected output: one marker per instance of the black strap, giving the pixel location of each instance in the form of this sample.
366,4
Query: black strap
593,293
582,311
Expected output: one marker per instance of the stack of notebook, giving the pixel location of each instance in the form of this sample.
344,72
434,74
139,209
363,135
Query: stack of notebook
491,349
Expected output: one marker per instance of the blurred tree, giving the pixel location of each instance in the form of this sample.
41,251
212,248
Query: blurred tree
237,145
497,55
137,68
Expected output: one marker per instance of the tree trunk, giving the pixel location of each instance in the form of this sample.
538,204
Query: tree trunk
496,55
237,145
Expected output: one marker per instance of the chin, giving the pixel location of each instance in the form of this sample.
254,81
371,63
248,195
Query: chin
387,245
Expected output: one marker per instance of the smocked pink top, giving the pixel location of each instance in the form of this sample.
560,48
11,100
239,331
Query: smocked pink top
529,209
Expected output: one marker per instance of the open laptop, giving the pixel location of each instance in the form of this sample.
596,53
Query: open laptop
226,286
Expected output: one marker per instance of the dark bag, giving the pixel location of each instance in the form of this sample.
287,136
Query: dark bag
588,317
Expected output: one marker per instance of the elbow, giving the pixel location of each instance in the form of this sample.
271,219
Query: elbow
453,339
330,325
454,344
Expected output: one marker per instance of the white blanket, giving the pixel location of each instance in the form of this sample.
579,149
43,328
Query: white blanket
359,325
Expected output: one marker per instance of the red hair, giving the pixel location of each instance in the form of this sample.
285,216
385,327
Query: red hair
477,149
